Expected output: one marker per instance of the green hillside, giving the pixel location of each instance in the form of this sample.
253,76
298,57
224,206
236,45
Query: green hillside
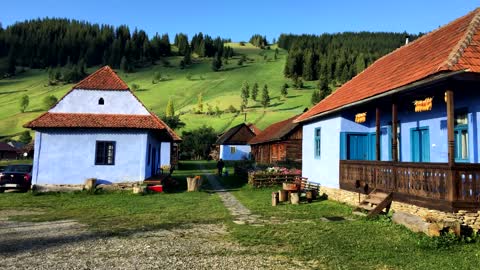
220,89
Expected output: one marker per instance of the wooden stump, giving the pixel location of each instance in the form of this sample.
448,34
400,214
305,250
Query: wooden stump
295,198
274,198
90,183
138,190
309,195
194,183
283,195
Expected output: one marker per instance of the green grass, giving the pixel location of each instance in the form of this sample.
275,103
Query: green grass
347,242
120,211
6,162
220,89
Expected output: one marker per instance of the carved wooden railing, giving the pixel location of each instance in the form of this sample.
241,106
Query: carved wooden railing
434,185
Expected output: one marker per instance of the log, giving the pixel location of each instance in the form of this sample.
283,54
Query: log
274,198
283,195
295,198
416,223
194,183
90,183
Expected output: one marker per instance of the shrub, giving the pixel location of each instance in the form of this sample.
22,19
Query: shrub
231,109
135,87
49,101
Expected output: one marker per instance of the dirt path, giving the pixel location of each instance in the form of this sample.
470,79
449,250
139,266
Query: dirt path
240,213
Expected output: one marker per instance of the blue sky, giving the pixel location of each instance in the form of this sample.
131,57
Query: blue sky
240,19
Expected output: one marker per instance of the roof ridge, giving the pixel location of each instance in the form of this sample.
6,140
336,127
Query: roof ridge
109,70
464,42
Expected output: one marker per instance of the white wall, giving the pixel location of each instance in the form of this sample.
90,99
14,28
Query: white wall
242,152
86,101
165,153
68,157
325,169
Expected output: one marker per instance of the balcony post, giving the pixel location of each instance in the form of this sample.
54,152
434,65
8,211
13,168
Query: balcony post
451,181
394,132
377,134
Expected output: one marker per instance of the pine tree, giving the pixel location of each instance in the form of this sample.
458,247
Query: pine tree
245,94
124,64
359,63
200,102
265,97
284,91
187,59
11,62
315,97
24,101
255,91
217,62
170,111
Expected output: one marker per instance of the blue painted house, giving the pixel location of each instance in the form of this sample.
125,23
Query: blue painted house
233,144
408,124
99,129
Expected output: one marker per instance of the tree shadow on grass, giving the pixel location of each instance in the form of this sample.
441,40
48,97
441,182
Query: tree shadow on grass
11,92
233,68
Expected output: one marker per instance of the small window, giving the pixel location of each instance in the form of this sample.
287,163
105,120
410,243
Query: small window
233,149
105,153
101,101
461,135
317,142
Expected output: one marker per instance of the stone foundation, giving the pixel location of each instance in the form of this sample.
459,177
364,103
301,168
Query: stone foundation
465,218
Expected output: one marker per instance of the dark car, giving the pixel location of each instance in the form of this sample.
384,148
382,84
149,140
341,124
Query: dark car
16,177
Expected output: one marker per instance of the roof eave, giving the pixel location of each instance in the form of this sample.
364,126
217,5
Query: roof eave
407,87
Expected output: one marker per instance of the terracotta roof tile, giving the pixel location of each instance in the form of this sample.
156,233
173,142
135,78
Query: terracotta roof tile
87,120
102,79
453,47
275,132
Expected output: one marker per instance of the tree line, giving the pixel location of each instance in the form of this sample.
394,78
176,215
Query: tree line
43,43
336,58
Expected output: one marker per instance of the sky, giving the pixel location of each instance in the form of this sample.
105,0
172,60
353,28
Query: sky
239,20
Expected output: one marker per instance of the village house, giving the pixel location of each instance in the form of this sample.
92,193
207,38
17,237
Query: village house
233,144
99,129
281,142
408,124
7,151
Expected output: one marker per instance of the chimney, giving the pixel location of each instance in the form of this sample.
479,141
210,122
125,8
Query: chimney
407,39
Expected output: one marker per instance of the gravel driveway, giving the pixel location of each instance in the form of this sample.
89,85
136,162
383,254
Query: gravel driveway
69,245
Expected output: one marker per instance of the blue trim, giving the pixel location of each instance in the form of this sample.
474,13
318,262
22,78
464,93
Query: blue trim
343,145
420,152
457,131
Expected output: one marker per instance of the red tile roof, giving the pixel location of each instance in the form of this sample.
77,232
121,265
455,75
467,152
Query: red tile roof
453,47
275,132
103,79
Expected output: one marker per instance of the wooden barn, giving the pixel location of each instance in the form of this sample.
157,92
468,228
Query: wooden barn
278,143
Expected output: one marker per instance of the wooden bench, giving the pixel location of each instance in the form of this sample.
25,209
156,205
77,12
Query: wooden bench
307,186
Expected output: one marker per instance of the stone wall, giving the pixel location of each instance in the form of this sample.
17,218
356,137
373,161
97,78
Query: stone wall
466,218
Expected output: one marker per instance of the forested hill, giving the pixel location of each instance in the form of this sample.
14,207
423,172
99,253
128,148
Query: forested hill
208,81
336,57
44,43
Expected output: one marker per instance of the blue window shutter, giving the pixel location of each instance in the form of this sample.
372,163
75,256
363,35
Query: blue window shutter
317,142
343,145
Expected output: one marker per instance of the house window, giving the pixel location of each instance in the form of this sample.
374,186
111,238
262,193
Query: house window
101,101
317,142
233,149
461,135
105,153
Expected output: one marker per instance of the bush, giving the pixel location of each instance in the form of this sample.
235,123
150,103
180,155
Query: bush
231,109
49,101
134,87
197,143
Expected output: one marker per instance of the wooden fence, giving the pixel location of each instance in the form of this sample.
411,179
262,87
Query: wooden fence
259,179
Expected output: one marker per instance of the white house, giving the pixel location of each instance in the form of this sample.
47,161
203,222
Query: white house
233,144
99,129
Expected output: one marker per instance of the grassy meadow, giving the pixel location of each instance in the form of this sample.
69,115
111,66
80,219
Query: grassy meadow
220,89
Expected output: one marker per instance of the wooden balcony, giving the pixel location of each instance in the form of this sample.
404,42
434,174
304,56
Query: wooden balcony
432,185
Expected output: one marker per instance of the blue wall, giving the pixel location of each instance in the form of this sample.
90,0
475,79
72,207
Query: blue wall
68,156
324,169
242,153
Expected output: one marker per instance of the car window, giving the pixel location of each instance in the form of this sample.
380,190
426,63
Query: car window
19,168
